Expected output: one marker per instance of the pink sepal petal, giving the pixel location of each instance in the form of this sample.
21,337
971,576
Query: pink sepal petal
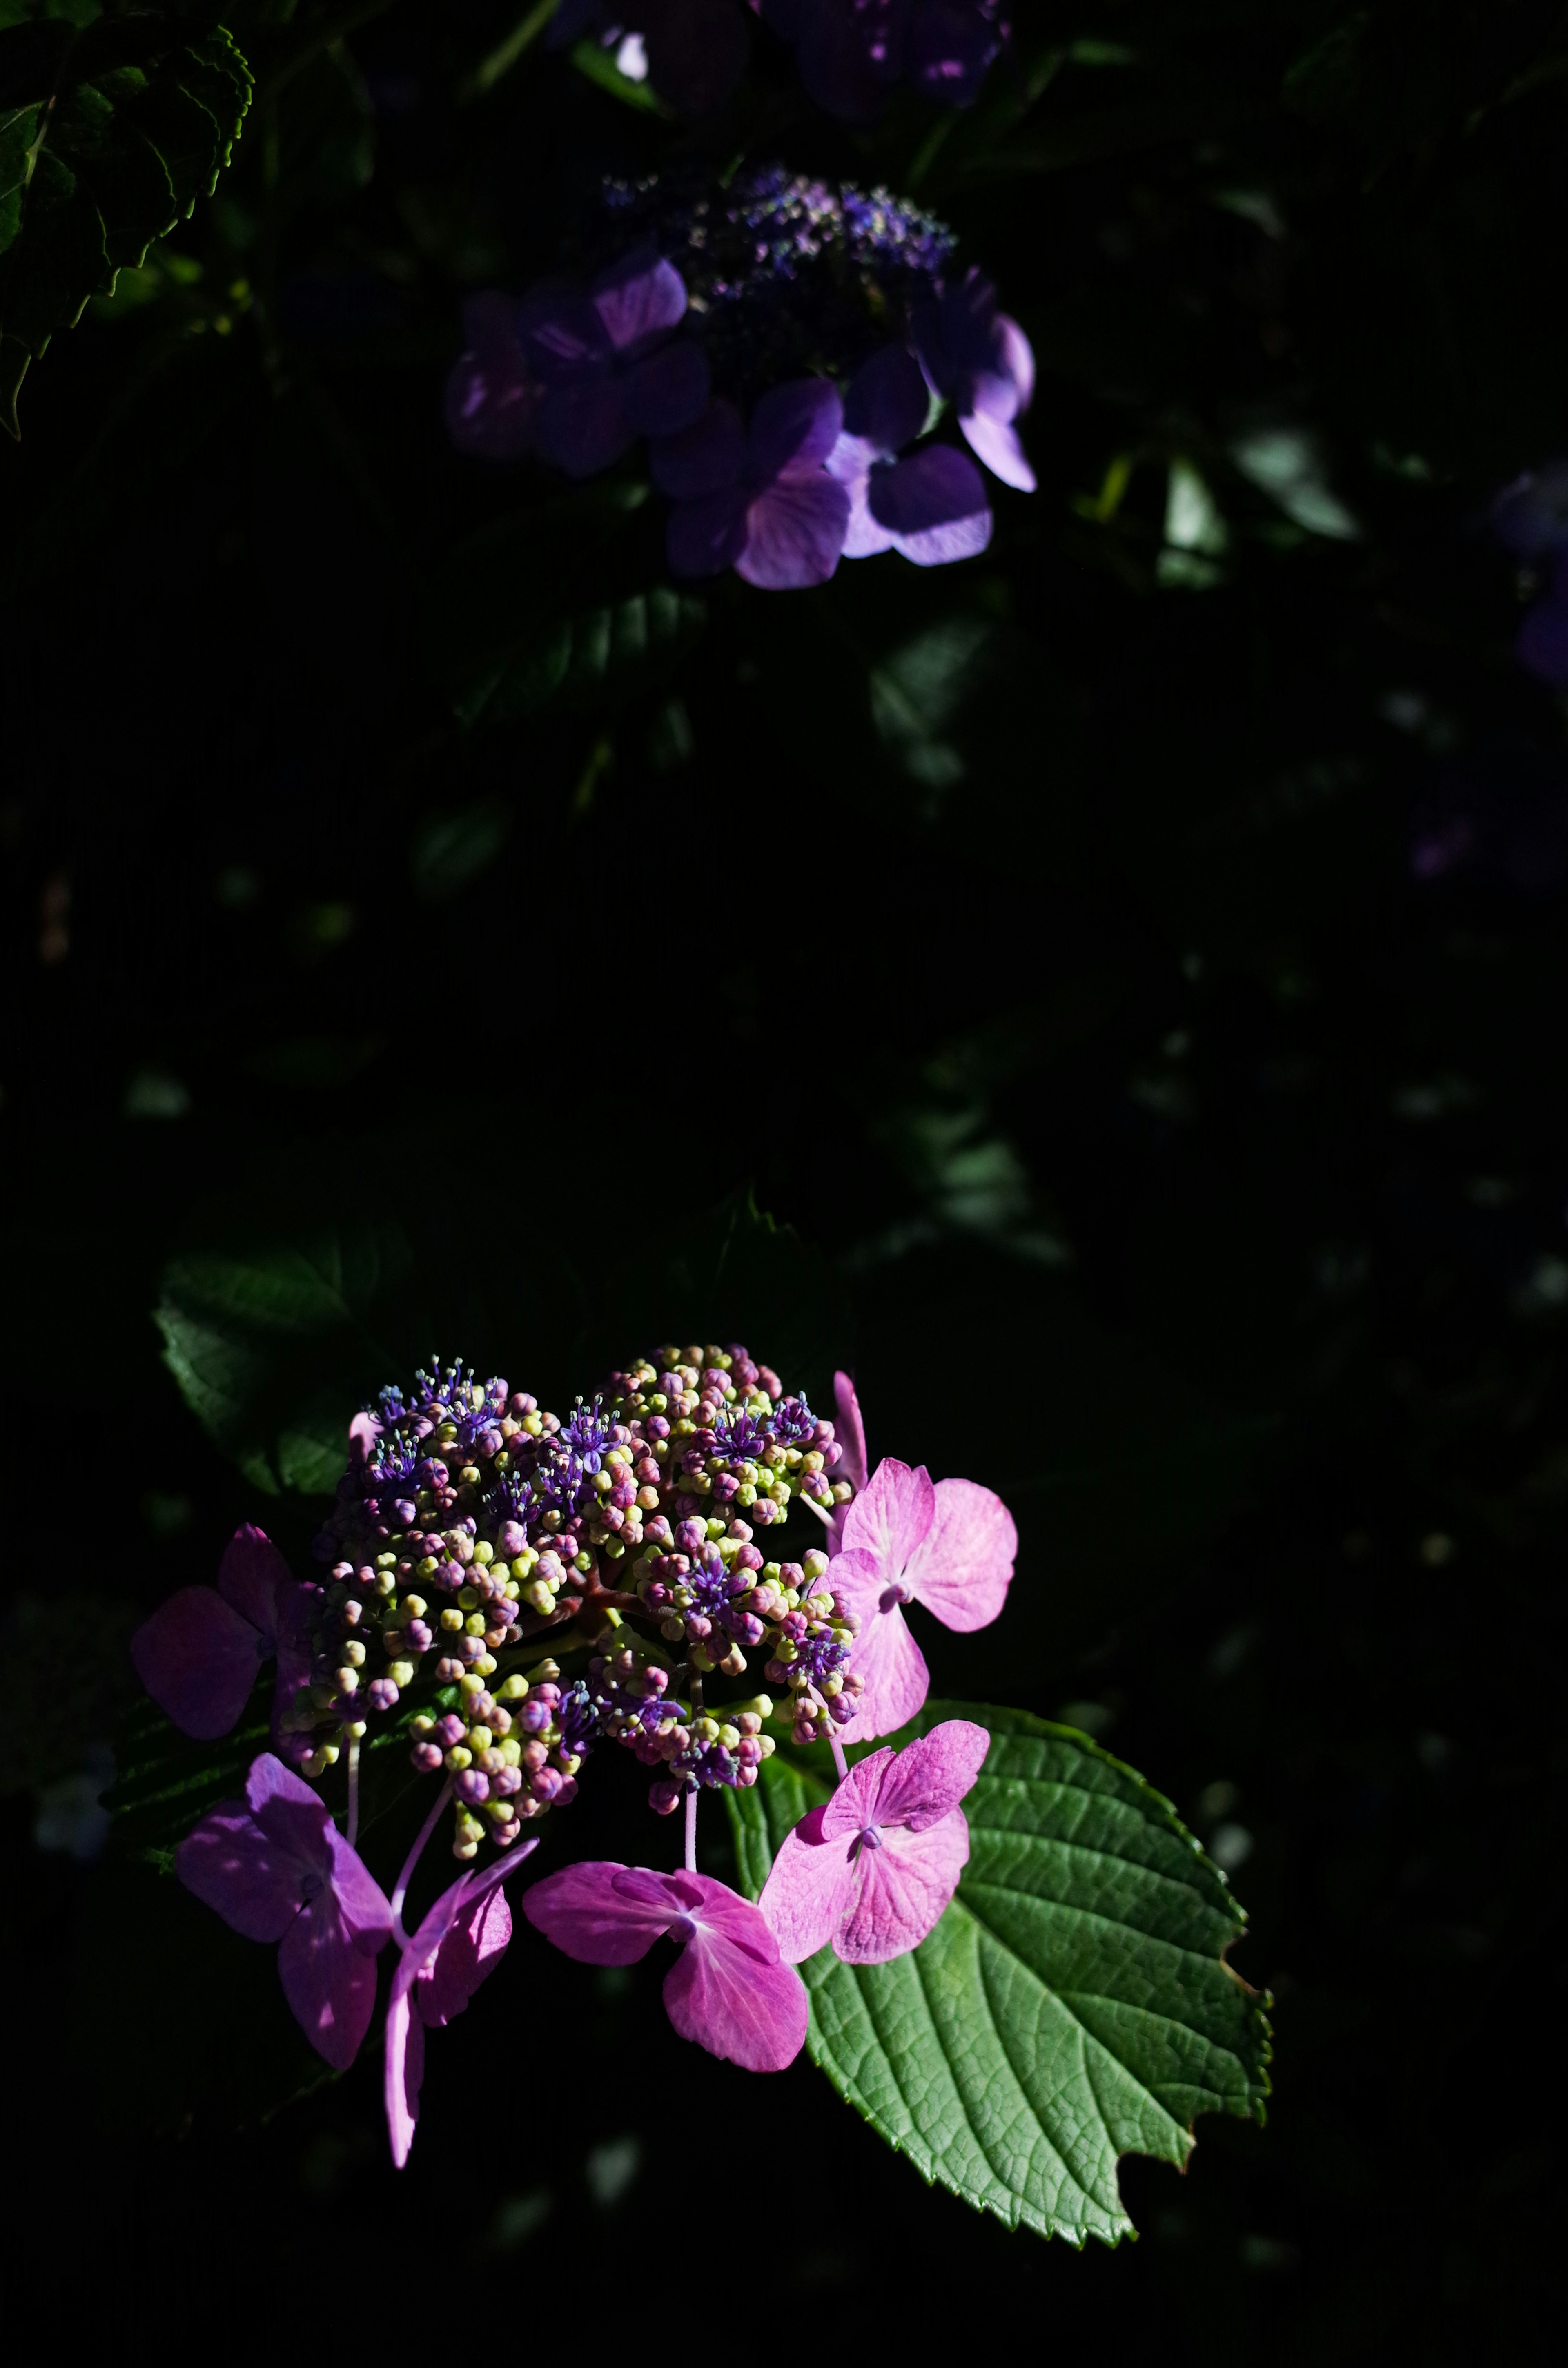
718,1910
809,1890
853,1804
367,1912
850,1431
751,2014
905,1887
931,1776
251,1881
329,1984
198,1659
964,1566
891,1515
586,1913
254,1577
460,1941
896,1680
403,2073
468,1955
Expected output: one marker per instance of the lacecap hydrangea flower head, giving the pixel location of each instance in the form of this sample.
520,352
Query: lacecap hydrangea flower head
789,348
507,1590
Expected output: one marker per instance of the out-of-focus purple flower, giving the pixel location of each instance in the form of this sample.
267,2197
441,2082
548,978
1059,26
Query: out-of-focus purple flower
460,1942
1542,643
276,1868
1531,516
982,361
492,398
871,1872
696,50
728,1991
610,364
931,507
197,1654
851,53
764,503
1500,811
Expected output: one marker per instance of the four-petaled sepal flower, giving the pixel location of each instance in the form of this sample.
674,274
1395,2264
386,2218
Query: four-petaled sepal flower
275,1867
728,1991
949,1544
460,1941
869,1874
199,1654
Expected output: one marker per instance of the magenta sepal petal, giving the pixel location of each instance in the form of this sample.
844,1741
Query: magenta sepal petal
891,1515
964,1566
708,535
639,297
794,426
995,441
461,1942
931,1776
328,1981
804,1896
728,1992
276,1868
850,1431
795,531
895,1681
904,1889
749,2013
198,1659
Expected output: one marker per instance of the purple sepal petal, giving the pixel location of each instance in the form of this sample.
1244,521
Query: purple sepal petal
468,1955
696,51
584,1912
929,1778
853,1804
795,532
254,1577
562,333
702,459
330,1985
933,505
582,425
668,391
1531,516
404,2072
639,297
850,1429
492,395
1540,646
748,2013
995,441
953,44
794,426
252,1880
198,1659
367,1913
905,1887
705,537
886,401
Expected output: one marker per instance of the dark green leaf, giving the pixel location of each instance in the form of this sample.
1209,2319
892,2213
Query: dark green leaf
1073,2005
106,138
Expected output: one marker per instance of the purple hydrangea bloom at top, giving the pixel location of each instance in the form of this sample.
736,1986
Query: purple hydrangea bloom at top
696,50
851,53
981,359
578,375
762,503
930,507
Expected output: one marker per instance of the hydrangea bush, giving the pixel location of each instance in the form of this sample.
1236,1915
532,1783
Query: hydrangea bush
505,1594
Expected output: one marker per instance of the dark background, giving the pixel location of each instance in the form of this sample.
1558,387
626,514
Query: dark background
1056,943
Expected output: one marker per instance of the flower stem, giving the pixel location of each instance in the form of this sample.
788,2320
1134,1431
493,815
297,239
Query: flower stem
839,1761
412,1860
691,1831
352,1830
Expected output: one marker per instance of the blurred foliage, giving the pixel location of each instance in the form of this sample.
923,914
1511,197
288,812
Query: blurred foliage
1133,961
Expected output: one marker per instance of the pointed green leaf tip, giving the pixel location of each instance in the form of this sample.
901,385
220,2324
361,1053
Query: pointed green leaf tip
107,137
1073,2004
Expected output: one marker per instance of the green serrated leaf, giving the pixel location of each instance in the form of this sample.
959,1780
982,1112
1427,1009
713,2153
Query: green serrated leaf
1073,2005
106,137
614,652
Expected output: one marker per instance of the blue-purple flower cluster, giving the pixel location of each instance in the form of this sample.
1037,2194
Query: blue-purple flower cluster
850,52
786,346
